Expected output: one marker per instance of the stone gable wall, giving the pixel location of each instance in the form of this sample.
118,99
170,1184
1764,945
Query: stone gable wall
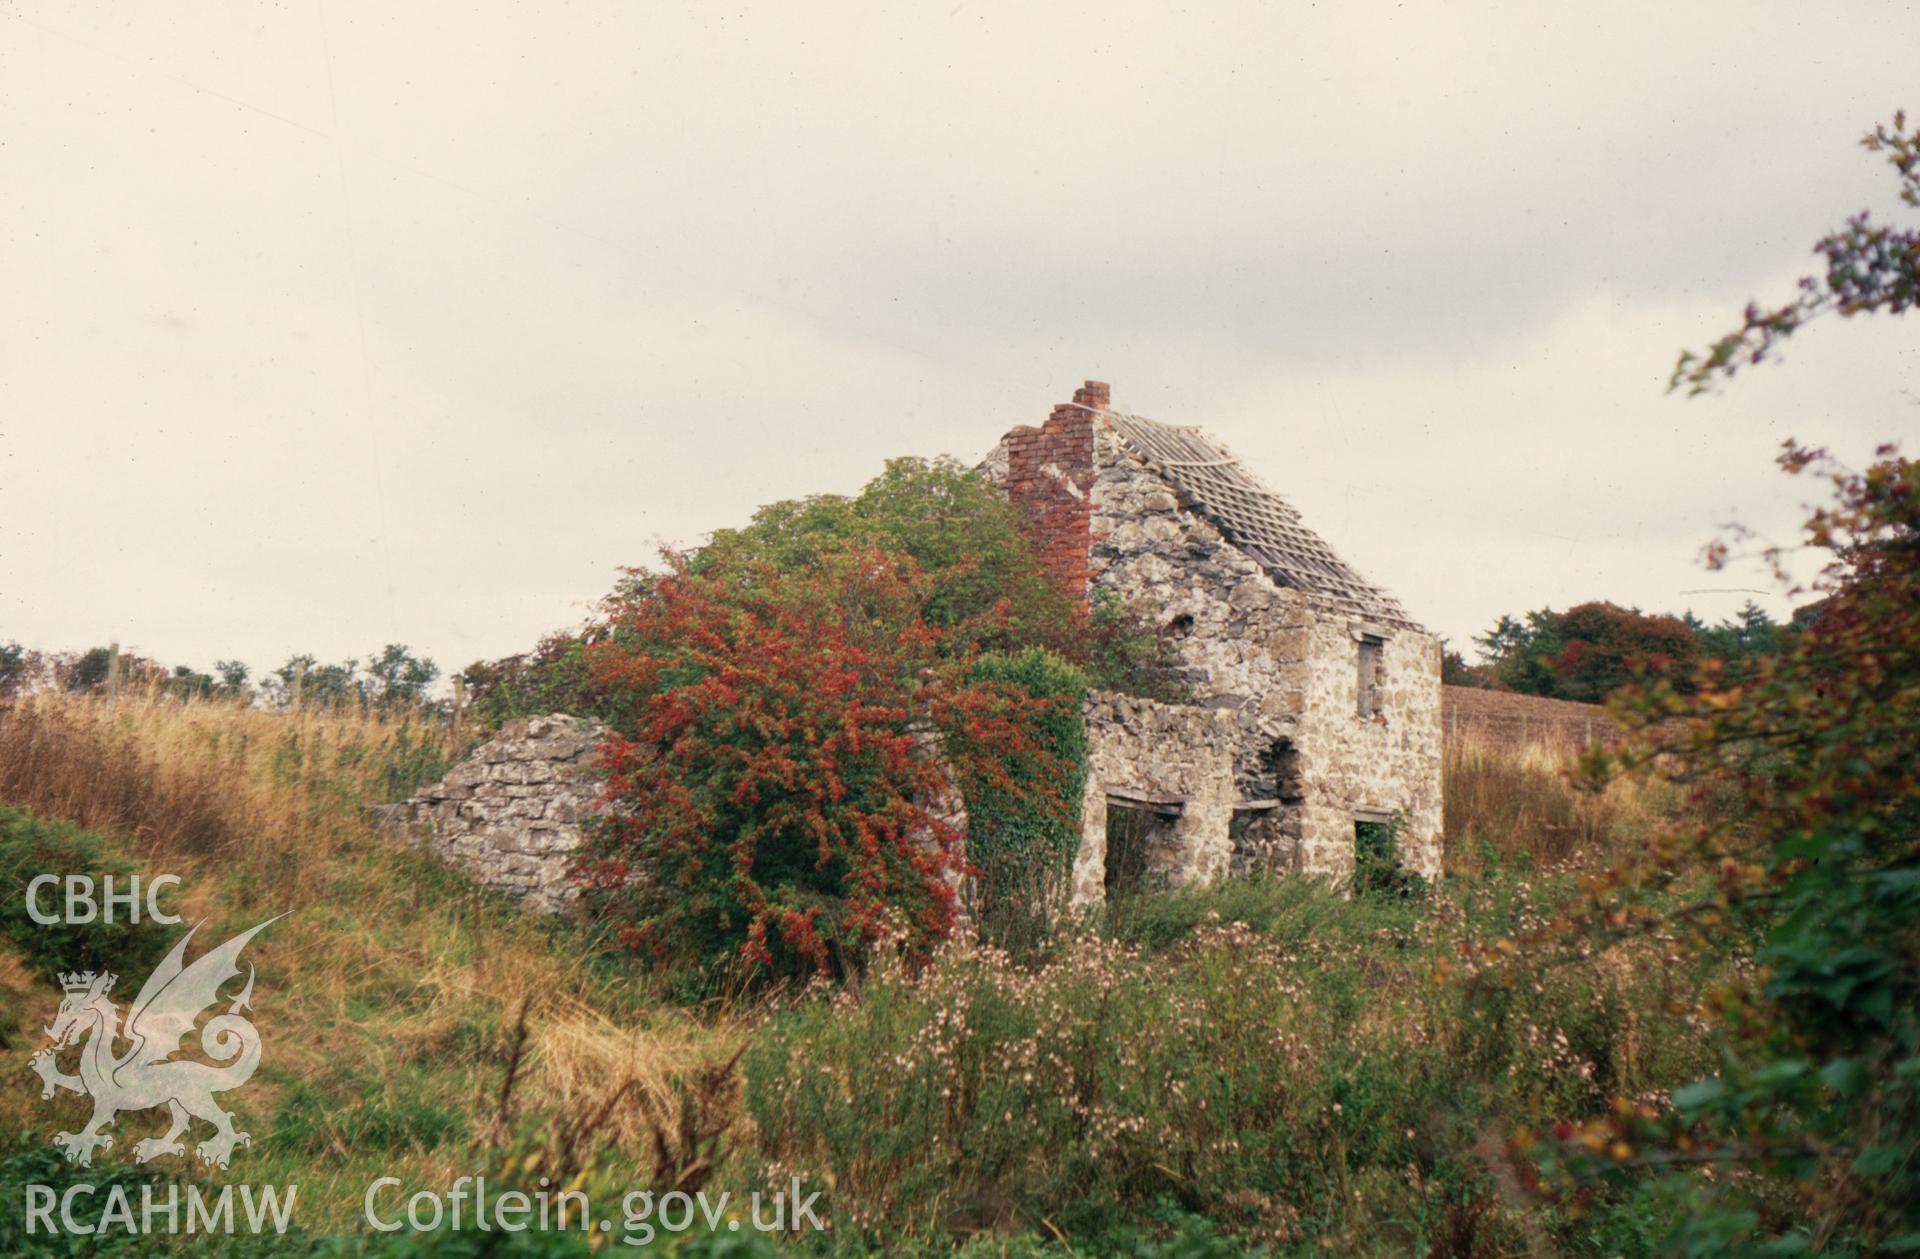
510,815
1284,664
1279,669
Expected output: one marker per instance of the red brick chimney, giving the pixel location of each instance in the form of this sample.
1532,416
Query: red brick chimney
1050,472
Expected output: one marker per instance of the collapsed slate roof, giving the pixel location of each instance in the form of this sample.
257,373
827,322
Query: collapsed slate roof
1254,518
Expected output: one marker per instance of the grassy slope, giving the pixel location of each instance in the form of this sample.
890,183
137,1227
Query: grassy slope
386,996
1168,1076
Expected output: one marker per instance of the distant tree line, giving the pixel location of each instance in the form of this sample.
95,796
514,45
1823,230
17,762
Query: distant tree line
390,678
1591,650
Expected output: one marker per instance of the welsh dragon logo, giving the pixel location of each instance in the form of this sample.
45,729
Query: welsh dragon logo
147,1074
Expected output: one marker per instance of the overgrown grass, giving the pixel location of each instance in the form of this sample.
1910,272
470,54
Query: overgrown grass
1266,1063
386,996
1505,802
1299,1067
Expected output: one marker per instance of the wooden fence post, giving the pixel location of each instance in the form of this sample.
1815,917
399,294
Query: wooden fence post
113,670
459,706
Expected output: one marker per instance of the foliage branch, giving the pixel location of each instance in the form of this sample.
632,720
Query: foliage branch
1806,876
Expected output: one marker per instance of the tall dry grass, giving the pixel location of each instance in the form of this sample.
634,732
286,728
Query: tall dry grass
202,780
391,984
1513,800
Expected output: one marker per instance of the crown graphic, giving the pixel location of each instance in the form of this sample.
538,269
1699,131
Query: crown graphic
80,981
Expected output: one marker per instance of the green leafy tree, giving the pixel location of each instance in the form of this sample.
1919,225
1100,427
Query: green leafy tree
1742,641
987,582
89,672
1454,669
1808,877
1602,647
551,678
1517,650
187,683
316,684
395,676
234,680
1586,652
13,667
986,589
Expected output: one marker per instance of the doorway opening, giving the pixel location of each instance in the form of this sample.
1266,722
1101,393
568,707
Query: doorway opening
1133,832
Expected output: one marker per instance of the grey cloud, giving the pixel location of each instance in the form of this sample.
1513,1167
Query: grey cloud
358,323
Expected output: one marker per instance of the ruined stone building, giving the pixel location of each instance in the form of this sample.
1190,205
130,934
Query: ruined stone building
1317,701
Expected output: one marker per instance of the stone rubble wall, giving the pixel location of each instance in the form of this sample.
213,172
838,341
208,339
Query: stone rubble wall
1279,666
1284,664
1239,638
1171,750
510,815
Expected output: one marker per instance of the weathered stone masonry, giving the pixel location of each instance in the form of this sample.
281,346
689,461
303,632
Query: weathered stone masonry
509,816
1318,699
1271,630
1152,757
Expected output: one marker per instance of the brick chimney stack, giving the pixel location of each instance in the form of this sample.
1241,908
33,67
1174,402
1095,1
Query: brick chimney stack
1050,472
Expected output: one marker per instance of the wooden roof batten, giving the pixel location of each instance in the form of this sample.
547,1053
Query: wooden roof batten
1254,518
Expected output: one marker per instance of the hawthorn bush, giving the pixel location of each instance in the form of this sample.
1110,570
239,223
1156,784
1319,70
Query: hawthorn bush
785,759
983,586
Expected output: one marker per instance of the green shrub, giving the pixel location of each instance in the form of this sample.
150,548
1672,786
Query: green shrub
1377,868
1019,840
32,846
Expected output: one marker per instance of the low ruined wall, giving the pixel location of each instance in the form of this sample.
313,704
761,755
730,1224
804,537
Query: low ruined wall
1175,751
509,816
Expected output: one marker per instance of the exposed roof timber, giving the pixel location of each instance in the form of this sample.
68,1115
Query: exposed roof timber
1254,518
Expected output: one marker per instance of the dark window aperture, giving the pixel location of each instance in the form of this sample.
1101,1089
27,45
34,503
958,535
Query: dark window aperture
1369,675
1131,833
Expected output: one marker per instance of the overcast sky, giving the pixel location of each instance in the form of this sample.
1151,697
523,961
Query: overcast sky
329,325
